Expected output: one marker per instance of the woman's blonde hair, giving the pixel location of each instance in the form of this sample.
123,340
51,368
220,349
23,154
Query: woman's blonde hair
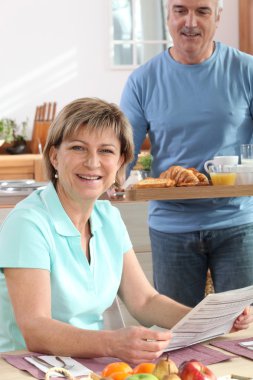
95,115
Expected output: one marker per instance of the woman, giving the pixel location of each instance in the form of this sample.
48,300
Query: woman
65,255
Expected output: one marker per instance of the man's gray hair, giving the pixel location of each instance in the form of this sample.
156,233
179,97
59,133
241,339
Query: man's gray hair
218,9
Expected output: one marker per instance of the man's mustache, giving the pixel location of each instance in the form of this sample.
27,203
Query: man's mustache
193,31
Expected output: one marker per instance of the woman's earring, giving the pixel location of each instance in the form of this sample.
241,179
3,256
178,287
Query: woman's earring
56,175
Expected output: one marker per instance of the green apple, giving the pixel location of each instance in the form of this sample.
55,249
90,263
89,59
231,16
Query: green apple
142,376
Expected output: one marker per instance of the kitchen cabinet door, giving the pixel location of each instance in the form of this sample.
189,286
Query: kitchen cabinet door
246,25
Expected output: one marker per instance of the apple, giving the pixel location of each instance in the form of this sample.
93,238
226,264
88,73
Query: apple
142,376
194,370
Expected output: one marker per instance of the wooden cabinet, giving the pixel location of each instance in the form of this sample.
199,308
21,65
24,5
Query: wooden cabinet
135,216
23,166
246,25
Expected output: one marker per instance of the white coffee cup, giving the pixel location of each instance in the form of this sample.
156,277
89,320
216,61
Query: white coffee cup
221,160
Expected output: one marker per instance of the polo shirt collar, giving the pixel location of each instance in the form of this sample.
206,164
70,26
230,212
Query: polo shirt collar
62,222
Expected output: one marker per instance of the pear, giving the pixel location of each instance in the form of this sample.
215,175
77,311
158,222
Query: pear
165,367
172,376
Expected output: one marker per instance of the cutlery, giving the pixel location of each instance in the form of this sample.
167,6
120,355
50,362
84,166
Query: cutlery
239,377
248,344
64,364
44,115
40,361
46,364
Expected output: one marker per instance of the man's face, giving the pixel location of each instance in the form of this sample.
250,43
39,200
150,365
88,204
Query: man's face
192,25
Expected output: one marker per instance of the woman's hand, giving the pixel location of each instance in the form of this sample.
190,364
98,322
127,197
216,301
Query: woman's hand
137,344
243,321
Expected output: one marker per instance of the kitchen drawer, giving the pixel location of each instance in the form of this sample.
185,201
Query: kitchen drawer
135,216
24,166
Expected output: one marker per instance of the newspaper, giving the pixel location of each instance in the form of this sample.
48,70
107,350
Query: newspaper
212,317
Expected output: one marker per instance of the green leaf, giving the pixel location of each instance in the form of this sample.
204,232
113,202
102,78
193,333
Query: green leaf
146,161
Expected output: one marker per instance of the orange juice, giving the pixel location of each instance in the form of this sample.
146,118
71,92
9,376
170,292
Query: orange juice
223,178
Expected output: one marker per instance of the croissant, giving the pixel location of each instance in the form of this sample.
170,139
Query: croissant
172,172
154,182
181,176
203,180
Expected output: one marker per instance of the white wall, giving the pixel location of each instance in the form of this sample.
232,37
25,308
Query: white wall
58,50
228,31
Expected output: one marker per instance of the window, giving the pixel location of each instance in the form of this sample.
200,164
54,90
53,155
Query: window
139,31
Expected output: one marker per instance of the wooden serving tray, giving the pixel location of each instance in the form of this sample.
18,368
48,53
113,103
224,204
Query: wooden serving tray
190,192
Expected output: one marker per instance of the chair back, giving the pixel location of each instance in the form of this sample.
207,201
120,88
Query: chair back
113,318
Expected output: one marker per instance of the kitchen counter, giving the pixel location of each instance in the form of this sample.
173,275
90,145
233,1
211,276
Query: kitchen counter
22,166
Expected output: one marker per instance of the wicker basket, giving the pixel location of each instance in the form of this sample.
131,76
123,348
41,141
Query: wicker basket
68,375
62,371
209,284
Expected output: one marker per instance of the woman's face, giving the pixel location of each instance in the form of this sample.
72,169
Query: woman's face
86,164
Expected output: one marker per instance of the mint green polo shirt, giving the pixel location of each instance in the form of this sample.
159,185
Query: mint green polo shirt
38,233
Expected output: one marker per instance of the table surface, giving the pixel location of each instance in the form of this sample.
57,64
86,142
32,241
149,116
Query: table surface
237,366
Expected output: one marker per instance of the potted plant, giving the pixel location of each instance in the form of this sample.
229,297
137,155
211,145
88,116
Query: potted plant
6,130
11,132
144,164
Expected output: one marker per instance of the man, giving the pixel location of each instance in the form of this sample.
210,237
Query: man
196,101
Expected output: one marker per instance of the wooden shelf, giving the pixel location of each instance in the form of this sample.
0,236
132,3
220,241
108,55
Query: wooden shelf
193,192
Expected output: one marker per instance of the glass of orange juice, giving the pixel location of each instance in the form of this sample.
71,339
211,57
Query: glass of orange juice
222,174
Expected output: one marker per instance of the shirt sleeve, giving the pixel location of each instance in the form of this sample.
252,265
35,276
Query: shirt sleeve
121,230
126,241
114,229
23,243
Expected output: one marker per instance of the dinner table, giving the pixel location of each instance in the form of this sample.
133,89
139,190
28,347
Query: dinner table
237,365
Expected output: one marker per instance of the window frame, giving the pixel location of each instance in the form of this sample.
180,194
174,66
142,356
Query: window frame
134,42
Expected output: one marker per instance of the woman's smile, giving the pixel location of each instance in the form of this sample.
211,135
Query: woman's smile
89,178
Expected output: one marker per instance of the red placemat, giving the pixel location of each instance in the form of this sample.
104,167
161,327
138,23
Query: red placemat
204,354
234,347
199,352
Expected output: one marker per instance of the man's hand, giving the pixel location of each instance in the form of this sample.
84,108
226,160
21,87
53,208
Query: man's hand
116,193
243,321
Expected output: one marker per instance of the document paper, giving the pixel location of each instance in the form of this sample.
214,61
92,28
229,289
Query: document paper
212,317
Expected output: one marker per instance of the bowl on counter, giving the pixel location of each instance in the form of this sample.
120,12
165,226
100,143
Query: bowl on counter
244,175
19,187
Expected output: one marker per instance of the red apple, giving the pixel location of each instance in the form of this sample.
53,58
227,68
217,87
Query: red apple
194,370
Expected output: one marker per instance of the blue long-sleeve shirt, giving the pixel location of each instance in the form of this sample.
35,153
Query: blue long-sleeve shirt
192,113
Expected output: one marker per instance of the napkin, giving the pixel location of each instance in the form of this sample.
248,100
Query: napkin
234,347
